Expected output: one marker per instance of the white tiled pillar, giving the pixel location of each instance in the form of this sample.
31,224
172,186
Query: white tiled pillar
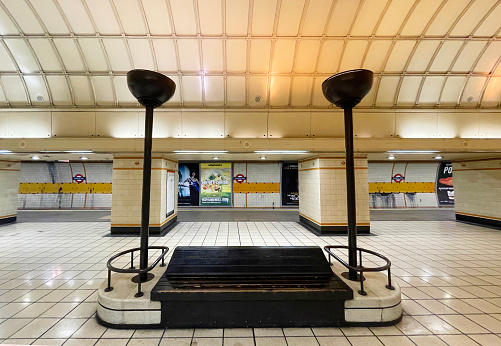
477,191
9,189
322,191
127,192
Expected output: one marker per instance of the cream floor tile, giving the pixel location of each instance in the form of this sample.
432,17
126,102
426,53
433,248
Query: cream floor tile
396,341
90,329
364,341
238,333
427,340
80,342
436,325
261,332
118,333
178,333
35,328
271,341
148,333
462,340
488,322
34,310
64,328
327,332
144,342
333,341
297,332
238,342
208,333
463,324
409,326
18,341
175,342
207,341
436,307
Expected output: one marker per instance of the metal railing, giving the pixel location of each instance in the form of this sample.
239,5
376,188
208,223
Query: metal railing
132,269
360,268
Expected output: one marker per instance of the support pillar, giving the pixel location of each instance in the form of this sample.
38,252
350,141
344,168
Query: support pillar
9,189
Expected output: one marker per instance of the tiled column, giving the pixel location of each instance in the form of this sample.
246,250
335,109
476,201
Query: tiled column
477,191
322,191
9,189
127,192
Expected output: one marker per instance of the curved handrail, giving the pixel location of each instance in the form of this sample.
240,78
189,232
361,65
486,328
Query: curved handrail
132,269
360,268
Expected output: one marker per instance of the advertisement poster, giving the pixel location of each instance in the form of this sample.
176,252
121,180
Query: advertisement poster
290,184
443,186
216,184
189,184
170,193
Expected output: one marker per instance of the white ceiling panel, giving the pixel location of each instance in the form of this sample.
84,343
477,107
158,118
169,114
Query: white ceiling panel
214,91
471,92
70,55
446,17
165,55
492,94
491,24
157,17
6,63
283,56
77,16
420,16
104,16
212,53
431,90
24,16
263,17
131,16
353,55
124,96
279,91
399,55
490,57
192,90
210,14
386,92
117,53
7,26
176,98
14,90
183,13
423,55
46,54
290,17
22,53
36,87
103,88
472,17
301,91
141,54
318,99
50,16
330,54
368,17
408,91
237,17
236,55
468,56
59,89
394,17
342,17
93,54
452,91
260,56
189,56
306,56
368,100
316,17
445,56
82,91
376,55
235,91
257,91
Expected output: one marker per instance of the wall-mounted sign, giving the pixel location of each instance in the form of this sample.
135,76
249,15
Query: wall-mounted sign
78,178
240,178
398,178
216,184
189,185
290,184
170,193
444,184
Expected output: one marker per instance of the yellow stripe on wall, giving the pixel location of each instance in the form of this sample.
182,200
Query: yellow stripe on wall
402,187
36,188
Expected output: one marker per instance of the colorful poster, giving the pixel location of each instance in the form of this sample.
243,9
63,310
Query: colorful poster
290,184
444,186
170,193
216,184
189,185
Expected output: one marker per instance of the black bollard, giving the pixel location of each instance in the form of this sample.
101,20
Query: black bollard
151,89
346,90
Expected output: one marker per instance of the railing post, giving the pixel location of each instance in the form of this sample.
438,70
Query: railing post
132,260
109,288
139,293
362,292
389,286
163,258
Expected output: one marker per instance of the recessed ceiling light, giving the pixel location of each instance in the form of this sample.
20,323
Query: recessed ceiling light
84,158
5,151
79,151
438,157
391,157
35,157
63,160
263,157
281,151
215,158
413,151
200,151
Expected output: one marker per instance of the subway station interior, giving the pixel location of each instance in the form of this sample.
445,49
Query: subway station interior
250,172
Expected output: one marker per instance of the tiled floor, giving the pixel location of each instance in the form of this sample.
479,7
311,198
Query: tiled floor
450,274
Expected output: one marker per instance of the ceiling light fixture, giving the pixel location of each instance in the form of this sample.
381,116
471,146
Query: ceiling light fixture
215,158
63,160
200,151
35,157
84,158
5,151
281,151
438,157
413,151
78,151
263,157
391,157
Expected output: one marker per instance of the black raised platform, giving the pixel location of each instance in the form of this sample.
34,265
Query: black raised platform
250,287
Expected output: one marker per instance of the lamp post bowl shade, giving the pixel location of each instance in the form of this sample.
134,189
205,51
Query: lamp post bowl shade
346,89
151,89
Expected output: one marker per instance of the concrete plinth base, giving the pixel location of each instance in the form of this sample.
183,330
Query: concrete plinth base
381,306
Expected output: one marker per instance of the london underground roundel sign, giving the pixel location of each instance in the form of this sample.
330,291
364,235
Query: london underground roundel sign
239,178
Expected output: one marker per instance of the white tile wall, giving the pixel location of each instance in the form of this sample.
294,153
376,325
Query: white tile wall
239,200
267,200
263,172
9,187
258,173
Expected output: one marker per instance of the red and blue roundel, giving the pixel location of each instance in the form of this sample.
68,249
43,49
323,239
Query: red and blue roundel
78,178
398,178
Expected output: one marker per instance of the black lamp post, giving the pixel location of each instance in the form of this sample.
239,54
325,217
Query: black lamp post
151,89
346,90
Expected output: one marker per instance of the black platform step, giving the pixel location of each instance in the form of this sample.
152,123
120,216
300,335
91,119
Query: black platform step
250,287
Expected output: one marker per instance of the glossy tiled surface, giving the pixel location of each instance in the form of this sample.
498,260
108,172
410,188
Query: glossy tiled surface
450,274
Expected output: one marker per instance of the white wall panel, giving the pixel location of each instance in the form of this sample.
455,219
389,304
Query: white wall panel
236,55
431,90
416,125
212,52
124,96
394,17
353,54
289,17
279,91
316,17
29,124
203,124
256,124
14,90
452,91
301,91
117,124
50,16
376,55
283,56
24,16
327,125
458,125
330,53
167,125
257,86
7,26
367,17
260,56
141,54
490,126
189,55
446,17
214,90
408,91
289,125
103,89
422,13
73,124
373,125
318,98
492,94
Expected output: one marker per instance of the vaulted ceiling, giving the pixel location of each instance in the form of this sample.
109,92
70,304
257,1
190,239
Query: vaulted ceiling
250,53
